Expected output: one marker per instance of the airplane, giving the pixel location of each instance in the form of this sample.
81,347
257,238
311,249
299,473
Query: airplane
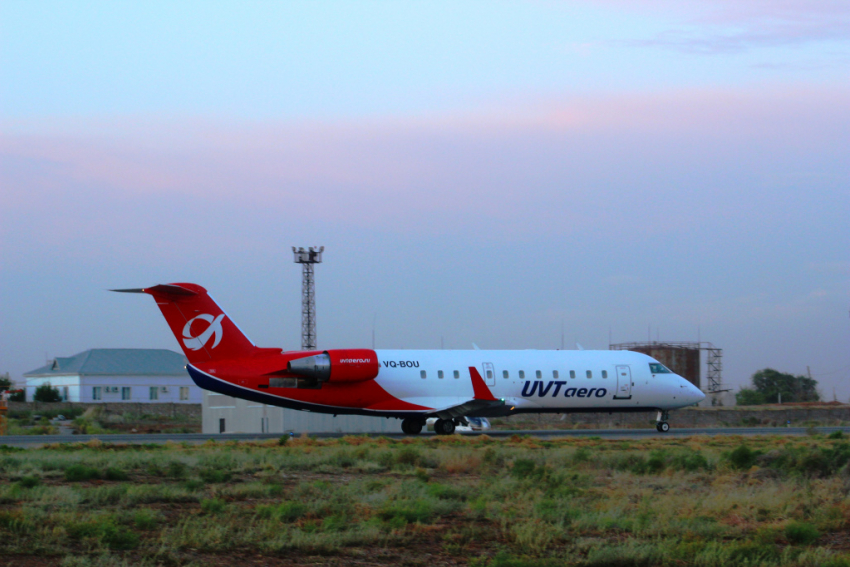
413,385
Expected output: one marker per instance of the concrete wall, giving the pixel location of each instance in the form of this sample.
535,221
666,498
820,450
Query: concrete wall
242,416
770,416
189,411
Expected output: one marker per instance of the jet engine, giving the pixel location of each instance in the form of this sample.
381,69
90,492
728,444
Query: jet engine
337,366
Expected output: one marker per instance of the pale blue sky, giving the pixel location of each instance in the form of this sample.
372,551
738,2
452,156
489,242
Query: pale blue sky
482,171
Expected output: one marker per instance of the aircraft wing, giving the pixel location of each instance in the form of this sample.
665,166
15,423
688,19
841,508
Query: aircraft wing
482,398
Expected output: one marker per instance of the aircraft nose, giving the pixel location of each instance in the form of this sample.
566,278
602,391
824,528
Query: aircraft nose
694,393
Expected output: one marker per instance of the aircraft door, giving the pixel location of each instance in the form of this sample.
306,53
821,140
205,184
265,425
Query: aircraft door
489,374
624,383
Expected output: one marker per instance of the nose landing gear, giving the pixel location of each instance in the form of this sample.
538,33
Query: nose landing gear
661,421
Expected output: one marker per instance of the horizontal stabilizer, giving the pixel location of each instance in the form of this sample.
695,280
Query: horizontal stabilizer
161,289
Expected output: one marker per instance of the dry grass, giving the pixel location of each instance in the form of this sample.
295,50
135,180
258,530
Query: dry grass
456,500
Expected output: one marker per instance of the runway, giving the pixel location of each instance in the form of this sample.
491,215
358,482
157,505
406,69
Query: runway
196,438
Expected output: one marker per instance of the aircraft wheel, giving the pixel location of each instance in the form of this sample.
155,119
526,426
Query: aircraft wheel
662,427
444,427
411,426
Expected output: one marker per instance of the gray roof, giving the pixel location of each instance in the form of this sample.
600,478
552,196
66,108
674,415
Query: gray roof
116,362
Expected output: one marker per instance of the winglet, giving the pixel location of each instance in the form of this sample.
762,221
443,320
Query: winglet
480,389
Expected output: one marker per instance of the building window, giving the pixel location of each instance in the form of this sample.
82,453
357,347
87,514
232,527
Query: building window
125,392
64,393
221,425
423,374
184,395
457,374
572,373
505,374
154,393
555,374
590,374
605,374
96,393
440,374
522,374
538,374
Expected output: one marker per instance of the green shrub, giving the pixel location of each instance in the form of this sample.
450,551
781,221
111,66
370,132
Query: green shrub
193,484
213,505
801,533
79,472
113,473
689,461
406,511
290,511
409,455
337,523
145,519
742,458
29,482
836,435
106,531
581,455
444,492
751,553
176,469
214,476
525,468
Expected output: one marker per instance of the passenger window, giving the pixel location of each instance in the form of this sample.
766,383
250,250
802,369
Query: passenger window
539,375
489,373
589,374
505,374
457,374
422,374
605,374
440,374
522,374
572,373
555,374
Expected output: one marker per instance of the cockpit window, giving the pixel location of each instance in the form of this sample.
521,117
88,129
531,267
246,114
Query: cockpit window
658,368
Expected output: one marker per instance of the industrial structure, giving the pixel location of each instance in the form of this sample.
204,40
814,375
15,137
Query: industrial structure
307,258
684,359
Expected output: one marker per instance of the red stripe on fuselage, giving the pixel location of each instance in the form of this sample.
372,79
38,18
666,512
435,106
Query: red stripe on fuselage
253,372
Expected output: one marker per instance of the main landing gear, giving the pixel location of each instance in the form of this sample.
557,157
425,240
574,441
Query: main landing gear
661,421
444,427
412,426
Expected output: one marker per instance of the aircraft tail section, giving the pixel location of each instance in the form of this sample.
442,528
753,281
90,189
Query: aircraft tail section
202,328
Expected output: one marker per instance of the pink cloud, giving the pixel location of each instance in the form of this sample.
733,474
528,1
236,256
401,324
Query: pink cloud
541,167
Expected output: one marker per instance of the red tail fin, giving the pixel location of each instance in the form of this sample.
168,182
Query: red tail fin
202,328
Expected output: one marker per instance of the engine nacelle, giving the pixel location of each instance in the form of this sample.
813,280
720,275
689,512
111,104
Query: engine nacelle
339,365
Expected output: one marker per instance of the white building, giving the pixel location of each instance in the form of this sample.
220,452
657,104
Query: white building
223,414
114,375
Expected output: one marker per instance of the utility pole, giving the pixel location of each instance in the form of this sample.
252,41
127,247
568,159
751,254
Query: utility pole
307,258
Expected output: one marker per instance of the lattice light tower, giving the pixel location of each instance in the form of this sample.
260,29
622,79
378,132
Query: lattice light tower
307,258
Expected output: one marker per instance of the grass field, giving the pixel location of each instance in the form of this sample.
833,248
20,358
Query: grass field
431,501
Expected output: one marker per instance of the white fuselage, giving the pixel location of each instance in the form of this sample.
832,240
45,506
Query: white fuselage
532,380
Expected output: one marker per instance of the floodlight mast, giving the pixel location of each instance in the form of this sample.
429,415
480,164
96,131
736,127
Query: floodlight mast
308,257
